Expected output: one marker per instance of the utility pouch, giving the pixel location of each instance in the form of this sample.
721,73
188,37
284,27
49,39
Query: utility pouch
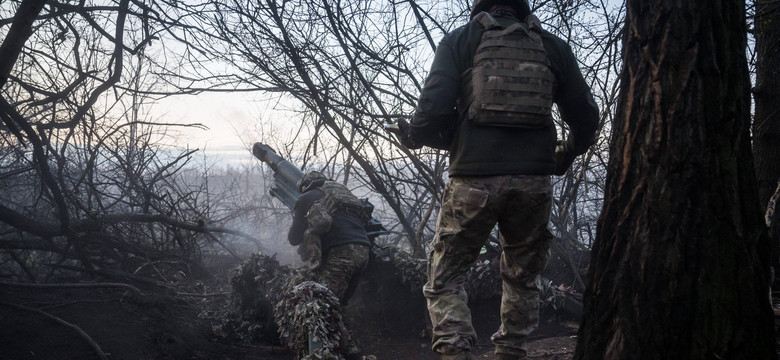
320,221
310,249
319,217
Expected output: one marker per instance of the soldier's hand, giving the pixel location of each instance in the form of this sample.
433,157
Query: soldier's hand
564,157
402,131
393,128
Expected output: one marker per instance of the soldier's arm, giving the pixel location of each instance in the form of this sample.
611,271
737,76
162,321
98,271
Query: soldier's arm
299,223
435,115
573,96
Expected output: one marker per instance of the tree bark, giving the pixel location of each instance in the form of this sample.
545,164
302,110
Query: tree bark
680,265
766,125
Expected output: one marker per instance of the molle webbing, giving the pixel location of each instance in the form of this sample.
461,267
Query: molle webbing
337,196
510,83
320,218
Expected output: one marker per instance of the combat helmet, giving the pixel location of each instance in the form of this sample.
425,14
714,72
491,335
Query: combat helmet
310,180
521,6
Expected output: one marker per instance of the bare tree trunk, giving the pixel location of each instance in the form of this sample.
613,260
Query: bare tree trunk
680,265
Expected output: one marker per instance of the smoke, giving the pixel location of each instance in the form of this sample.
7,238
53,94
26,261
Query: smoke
237,197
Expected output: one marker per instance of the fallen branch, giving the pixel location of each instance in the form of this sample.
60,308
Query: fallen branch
113,274
95,346
48,230
73,285
204,295
28,244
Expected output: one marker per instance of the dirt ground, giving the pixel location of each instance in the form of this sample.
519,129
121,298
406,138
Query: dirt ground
131,327
118,324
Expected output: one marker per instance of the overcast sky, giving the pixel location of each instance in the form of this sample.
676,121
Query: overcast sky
225,114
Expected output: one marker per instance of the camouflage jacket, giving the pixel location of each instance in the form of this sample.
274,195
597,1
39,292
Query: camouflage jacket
488,150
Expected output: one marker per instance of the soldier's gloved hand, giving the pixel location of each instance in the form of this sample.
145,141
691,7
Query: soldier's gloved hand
564,157
404,135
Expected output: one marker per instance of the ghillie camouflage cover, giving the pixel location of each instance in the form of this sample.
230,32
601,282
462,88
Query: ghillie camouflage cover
256,286
271,301
310,310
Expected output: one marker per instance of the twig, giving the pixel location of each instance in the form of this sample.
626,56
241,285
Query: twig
48,230
74,327
114,274
46,306
21,264
204,295
231,252
273,349
549,353
74,285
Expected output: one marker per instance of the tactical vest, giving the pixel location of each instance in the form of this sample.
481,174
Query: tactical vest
320,218
511,82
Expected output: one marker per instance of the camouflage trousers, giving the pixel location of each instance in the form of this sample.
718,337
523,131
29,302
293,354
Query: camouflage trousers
340,267
339,271
471,207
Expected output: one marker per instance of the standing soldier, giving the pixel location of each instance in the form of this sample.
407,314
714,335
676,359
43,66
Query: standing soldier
487,100
329,229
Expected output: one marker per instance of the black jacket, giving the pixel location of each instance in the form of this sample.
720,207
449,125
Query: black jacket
347,227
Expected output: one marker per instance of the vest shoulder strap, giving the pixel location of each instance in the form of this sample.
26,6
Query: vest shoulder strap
486,20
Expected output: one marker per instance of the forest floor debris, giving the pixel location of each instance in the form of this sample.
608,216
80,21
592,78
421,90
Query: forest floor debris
123,324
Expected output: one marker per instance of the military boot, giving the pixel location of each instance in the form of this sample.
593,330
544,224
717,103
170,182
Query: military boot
464,355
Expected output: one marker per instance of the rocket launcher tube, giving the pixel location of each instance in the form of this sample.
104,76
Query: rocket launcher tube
284,168
286,177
